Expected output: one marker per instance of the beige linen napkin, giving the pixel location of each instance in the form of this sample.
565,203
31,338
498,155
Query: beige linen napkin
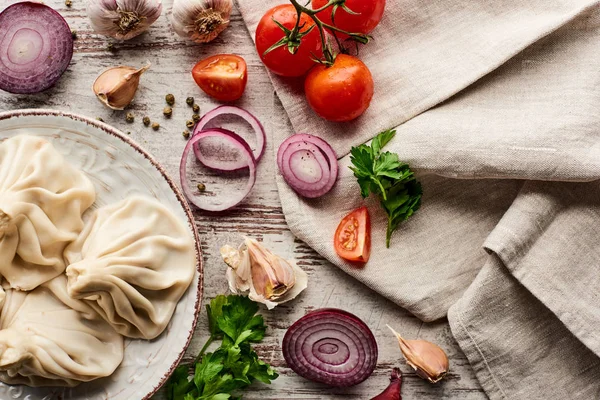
508,91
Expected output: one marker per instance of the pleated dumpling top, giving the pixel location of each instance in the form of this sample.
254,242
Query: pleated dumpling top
42,199
50,339
132,263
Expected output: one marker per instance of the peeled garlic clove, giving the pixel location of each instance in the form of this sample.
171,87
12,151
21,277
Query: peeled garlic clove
200,20
123,19
116,86
428,359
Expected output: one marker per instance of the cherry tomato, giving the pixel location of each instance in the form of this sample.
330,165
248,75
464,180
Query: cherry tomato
352,239
369,15
341,92
223,76
281,61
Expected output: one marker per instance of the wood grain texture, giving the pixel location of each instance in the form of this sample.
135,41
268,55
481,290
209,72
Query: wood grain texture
260,216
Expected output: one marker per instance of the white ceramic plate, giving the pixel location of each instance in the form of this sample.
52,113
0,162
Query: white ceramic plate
118,167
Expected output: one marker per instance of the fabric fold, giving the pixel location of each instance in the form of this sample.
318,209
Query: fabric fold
517,347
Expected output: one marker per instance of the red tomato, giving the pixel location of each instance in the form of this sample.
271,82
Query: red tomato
341,92
223,76
352,239
369,15
280,60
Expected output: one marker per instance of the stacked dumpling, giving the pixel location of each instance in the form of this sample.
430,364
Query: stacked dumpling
126,269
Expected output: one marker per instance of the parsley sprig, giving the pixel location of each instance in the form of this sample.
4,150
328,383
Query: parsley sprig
220,375
385,176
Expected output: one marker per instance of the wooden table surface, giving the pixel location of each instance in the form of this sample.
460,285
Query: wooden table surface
260,216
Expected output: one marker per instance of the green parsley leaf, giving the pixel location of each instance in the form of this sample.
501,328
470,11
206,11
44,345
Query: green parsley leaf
222,374
384,175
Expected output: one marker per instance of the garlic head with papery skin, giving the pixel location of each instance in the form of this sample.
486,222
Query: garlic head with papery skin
428,359
266,277
123,19
201,20
117,86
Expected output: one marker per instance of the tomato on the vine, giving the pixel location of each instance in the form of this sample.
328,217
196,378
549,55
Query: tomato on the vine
367,17
352,239
341,92
280,60
223,76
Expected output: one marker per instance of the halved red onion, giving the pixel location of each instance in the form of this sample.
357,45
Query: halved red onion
308,165
36,47
259,131
331,346
236,142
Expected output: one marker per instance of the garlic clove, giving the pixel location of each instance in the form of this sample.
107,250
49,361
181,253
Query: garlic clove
266,277
123,19
428,359
117,86
200,20
272,276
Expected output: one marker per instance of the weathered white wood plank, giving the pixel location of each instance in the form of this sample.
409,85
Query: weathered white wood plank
260,216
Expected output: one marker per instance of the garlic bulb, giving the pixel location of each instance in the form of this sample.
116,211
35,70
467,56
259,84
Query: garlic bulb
116,86
428,359
123,19
201,20
268,278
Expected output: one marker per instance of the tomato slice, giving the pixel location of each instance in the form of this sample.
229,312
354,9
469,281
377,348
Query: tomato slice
223,76
352,239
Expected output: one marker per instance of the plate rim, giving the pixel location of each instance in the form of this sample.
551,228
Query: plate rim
106,128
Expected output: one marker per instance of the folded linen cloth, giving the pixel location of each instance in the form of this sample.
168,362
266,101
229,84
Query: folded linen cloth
484,95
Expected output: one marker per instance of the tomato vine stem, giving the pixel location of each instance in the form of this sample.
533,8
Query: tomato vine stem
293,37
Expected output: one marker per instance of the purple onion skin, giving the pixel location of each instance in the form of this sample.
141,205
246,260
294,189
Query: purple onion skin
313,349
392,392
38,75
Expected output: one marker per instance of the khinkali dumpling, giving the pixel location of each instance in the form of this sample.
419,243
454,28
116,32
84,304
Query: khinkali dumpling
50,339
132,263
42,198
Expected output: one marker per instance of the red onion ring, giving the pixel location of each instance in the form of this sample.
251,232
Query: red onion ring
36,47
236,142
331,346
259,130
295,174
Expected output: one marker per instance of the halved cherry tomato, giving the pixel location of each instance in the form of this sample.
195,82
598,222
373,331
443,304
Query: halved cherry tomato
367,17
223,76
341,92
280,61
352,239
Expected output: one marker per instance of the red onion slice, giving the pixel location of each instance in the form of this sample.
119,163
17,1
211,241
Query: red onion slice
295,169
307,165
235,142
331,346
259,131
36,47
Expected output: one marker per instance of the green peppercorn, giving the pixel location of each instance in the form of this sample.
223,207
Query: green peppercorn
201,187
110,47
189,101
190,124
74,34
129,117
146,121
155,126
186,134
196,108
196,118
170,99
129,133
99,119
167,112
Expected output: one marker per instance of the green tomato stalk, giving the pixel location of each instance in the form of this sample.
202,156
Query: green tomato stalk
293,37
